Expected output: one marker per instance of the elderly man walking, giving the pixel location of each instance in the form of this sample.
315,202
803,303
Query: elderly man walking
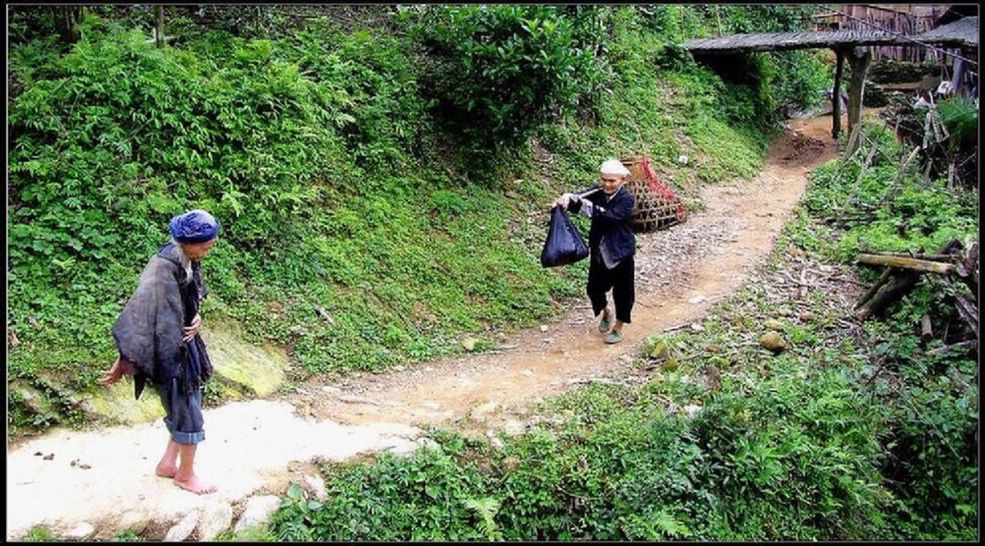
157,335
612,245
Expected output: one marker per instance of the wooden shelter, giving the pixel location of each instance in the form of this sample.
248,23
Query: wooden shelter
962,33
905,19
847,44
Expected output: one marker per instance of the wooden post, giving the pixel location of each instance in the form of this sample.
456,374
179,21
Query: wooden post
858,61
836,97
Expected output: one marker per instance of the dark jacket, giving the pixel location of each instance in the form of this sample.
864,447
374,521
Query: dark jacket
611,220
150,329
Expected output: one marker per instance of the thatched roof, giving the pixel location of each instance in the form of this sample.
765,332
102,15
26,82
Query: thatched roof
963,32
778,41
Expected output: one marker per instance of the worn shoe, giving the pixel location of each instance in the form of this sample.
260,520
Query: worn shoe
606,323
614,336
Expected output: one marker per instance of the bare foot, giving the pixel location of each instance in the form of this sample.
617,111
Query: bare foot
166,470
195,485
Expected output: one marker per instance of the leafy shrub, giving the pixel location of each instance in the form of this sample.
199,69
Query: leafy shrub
501,71
960,116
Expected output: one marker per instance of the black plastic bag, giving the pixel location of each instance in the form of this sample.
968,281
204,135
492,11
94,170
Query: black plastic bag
564,244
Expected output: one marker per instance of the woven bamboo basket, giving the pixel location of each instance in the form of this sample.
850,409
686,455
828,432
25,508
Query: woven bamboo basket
657,207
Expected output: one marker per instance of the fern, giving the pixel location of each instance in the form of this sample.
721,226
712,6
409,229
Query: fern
486,508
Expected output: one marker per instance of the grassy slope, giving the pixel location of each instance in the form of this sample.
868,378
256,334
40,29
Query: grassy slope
334,186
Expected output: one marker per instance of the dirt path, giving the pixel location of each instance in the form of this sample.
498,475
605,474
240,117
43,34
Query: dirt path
93,484
680,272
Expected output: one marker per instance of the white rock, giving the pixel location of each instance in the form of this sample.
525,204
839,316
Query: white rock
697,327
401,448
485,409
258,512
132,520
216,518
183,528
513,427
496,443
81,531
316,486
428,443
691,410
696,300
543,328
528,372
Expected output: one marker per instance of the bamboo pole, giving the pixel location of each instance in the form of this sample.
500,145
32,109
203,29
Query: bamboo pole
946,258
907,263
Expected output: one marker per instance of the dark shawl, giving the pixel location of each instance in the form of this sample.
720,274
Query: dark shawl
611,219
149,331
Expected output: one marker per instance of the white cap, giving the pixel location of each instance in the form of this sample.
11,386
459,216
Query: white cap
613,166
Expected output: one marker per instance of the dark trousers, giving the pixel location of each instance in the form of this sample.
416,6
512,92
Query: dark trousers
620,279
183,413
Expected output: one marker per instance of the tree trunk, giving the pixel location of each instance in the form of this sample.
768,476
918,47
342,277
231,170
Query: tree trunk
836,95
858,61
67,18
159,9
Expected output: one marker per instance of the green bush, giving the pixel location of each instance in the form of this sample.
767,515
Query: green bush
501,71
960,116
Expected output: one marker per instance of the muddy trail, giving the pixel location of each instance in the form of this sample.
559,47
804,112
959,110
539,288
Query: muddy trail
93,484
679,273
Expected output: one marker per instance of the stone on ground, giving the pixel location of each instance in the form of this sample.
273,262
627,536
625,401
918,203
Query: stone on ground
258,512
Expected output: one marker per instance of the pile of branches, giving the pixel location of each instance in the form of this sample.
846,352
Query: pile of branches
918,123
956,266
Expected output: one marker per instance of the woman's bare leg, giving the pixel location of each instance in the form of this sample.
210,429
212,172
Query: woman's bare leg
186,478
168,466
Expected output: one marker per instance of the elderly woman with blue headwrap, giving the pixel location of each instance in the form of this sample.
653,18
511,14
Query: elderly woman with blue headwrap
157,337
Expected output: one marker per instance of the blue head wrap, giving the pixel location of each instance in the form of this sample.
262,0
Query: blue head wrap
194,226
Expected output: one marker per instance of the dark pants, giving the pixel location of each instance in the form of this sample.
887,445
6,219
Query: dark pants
620,279
183,413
